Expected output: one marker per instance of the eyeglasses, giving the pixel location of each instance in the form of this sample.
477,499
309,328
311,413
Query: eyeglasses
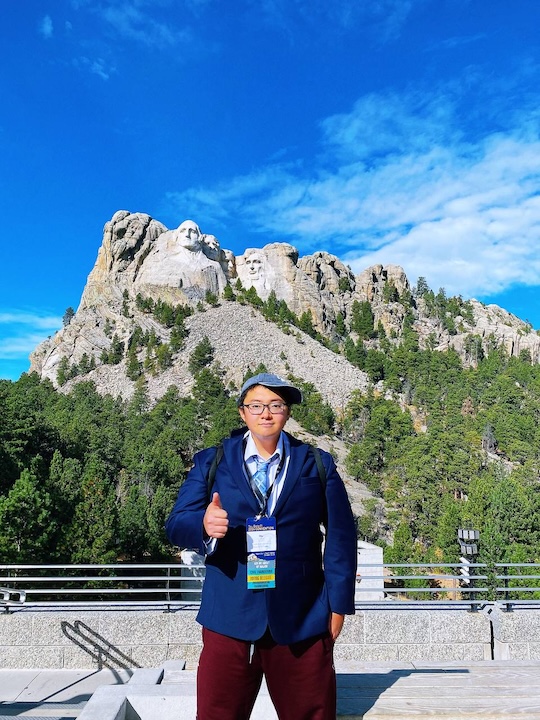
276,408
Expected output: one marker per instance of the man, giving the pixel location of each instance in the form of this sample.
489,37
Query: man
271,604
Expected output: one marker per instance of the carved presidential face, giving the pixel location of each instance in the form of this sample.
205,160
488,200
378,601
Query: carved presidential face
211,247
189,235
231,262
255,266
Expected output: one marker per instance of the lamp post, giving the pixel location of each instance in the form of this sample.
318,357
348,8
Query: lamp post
468,542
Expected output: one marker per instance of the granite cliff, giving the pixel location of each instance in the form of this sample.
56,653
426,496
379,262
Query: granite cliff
141,260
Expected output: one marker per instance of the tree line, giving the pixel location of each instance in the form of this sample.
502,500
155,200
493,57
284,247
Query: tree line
86,478
91,478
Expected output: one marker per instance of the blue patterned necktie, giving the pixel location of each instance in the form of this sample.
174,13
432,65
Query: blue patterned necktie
260,476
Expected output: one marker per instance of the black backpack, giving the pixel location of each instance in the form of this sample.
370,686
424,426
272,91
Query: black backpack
219,454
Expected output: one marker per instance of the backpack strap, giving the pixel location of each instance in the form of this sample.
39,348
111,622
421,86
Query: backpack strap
320,467
213,468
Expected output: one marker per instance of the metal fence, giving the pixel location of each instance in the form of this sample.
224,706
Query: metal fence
174,585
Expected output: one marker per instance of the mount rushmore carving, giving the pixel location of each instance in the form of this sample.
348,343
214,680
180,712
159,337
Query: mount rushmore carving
140,256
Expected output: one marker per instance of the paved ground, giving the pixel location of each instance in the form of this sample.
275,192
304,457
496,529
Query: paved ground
488,690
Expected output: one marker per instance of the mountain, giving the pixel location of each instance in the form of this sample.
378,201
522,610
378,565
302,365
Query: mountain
319,304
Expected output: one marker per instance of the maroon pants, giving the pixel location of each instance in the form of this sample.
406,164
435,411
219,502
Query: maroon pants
300,678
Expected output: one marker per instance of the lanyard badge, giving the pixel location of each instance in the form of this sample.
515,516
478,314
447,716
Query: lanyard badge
261,552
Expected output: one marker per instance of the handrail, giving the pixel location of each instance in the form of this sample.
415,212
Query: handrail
177,584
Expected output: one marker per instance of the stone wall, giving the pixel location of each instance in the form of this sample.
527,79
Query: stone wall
131,638
147,638
516,634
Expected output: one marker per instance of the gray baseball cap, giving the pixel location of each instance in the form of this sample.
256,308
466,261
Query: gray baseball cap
283,387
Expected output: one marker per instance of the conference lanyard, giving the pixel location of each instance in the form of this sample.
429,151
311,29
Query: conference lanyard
263,498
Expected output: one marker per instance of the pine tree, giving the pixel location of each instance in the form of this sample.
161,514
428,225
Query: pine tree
68,316
201,357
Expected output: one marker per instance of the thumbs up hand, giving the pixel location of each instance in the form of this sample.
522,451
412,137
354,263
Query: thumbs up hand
215,520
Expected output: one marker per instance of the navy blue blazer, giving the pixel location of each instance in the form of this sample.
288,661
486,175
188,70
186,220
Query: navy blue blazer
308,586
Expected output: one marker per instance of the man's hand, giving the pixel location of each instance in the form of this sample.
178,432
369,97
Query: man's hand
335,625
215,520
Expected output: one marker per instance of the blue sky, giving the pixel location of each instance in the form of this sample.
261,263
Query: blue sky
391,131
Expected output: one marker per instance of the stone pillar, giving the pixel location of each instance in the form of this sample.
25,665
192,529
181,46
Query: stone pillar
367,589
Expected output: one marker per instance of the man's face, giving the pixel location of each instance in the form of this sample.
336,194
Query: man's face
265,426
189,235
254,264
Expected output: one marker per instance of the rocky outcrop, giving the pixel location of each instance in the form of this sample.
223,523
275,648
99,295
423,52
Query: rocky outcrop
127,240
139,256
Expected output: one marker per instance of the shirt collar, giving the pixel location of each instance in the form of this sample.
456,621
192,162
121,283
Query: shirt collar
251,449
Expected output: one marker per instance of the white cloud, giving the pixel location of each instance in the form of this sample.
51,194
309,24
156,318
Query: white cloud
410,179
20,346
131,21
385,17
96,66
457,41
46,28
380,124
21,332
43,322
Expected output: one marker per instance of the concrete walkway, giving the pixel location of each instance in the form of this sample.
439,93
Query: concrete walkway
366,691
490,690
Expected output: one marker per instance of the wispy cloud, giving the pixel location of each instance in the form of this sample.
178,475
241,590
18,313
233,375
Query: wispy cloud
46,28
456,41
385,17
137,21
43,322
21,332
19,346
410,179
134,23
96,66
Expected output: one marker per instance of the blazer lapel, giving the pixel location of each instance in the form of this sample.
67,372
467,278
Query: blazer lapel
297,459
233,452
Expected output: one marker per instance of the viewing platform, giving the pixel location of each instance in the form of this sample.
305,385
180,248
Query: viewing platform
122,643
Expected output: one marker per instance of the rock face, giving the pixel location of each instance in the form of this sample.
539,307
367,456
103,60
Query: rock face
141,257
139,254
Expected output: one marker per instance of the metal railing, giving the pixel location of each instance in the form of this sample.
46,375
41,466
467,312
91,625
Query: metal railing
177,585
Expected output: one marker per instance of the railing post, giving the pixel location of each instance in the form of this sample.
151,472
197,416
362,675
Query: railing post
474,605
507,603
168,588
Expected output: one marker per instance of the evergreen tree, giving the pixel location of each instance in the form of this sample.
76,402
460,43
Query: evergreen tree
390,293
341,329
26,524
62,374
422,288
211,298
94,530
305,323
201,357
133,365
363,320
133,525
68,316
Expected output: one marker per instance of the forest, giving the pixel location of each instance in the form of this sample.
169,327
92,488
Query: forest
440,445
